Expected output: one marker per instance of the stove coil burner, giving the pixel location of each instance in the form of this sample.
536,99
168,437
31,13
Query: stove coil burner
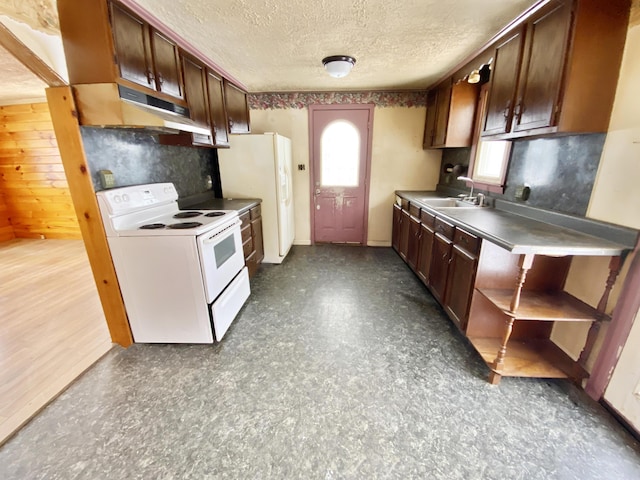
184,225
214,214
152,226
187,214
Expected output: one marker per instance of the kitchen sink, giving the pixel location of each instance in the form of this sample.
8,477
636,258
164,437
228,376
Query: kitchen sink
446,202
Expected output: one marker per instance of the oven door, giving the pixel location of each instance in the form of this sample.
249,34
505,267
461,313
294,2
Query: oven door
221,258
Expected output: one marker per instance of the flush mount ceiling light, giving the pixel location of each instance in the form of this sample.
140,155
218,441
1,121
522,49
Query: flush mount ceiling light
338,66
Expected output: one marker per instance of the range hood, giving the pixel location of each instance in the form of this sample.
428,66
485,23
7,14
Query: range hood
112,105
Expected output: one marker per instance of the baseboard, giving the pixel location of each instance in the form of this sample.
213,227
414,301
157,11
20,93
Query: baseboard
378,244
302,242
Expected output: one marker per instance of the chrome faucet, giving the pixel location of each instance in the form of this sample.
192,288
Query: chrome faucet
467,179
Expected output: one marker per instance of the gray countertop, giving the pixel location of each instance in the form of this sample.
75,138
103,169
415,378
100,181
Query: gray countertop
522,234
206,201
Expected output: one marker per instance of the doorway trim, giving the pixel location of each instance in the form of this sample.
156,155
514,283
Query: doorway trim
367,175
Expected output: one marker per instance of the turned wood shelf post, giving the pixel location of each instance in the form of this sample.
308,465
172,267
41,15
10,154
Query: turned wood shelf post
615,266
525,263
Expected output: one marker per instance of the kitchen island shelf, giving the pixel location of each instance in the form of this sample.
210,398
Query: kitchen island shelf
546,306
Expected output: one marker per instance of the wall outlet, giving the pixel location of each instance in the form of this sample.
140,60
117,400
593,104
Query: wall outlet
107,179
522,192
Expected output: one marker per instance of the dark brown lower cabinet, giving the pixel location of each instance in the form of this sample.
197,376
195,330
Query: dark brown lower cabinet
395,231
439,266
425,250
413,242
461,277
403,246
252,245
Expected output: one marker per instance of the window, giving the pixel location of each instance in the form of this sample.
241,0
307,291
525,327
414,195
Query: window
340,155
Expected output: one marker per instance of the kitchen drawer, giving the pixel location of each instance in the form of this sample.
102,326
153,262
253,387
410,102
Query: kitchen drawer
444,228
245,218
465,240
246,232
414,210
427,218
255,212
247,247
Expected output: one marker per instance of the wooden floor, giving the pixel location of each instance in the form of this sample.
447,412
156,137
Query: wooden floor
52,327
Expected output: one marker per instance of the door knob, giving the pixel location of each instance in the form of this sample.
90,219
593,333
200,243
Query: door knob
317,191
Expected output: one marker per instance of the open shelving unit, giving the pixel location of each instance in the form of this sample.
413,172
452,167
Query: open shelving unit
510,327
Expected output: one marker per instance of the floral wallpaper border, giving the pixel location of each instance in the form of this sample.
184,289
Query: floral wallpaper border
300,100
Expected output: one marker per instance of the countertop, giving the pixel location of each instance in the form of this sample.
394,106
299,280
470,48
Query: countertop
206,201
522,234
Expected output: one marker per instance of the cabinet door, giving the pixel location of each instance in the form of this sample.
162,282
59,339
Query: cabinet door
237,109
217,109
443,102
506,65
132,50
404,234
461,276
439,266
395,229
413,242
542,68
166,62
430,122
425,249
256,233
196,95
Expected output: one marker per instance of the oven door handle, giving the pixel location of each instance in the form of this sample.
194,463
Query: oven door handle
228,229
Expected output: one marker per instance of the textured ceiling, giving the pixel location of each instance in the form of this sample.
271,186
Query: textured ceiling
278,45
17,84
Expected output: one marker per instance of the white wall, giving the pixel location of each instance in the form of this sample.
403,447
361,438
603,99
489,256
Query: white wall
616,192
398,162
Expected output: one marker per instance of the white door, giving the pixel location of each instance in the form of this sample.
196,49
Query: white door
623,391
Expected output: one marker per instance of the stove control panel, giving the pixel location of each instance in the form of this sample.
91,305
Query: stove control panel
126,199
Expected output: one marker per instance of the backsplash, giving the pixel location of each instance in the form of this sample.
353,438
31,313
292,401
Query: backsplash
560,171
135,158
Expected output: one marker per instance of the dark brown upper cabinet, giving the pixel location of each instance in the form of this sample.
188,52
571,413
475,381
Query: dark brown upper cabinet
505,68
556,72
144,55
166,61
450,114
217,109
195,84
237,108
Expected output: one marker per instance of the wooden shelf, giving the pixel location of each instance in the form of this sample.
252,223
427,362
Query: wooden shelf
546,306
529,358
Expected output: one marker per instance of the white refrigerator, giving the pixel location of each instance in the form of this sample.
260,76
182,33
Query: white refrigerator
260,166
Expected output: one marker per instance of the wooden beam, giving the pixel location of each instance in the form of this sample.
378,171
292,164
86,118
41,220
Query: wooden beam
65,123
29,59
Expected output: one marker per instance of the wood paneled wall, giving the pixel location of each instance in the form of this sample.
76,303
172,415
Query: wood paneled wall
32,179
6,230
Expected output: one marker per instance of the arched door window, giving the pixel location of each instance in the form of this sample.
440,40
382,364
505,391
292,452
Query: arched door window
340,155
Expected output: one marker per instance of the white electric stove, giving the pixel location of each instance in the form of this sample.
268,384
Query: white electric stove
181,273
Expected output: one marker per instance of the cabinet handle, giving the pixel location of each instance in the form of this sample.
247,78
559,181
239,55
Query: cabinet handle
444,256
160,79
518,109
150,77
507,109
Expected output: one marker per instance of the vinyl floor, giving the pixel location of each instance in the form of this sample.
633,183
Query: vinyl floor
340,366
